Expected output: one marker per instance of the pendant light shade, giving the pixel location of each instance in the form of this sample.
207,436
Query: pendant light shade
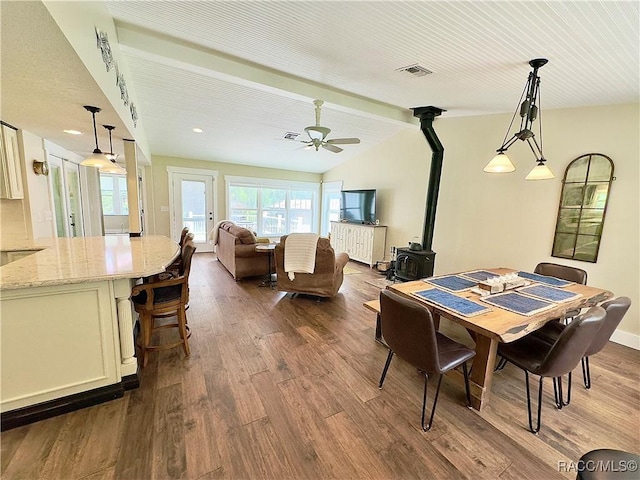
97,158
529,110
500,164
113,167
540,172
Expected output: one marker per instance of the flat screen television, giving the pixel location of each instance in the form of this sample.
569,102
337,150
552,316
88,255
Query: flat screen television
358,206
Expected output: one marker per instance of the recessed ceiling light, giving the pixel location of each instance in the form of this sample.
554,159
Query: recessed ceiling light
197,130
73,132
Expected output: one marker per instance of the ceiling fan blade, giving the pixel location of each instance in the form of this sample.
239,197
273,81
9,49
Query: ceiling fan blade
344,141
331,148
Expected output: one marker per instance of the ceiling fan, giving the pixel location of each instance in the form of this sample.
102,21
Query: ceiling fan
318,134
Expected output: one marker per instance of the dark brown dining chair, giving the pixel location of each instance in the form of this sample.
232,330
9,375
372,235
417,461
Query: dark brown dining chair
163,299
408,328
571,274
534,355
616,310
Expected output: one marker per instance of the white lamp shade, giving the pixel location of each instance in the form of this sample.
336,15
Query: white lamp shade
96,159
540,172
499,164
113,168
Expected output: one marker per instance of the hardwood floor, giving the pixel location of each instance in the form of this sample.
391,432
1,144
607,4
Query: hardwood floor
280,387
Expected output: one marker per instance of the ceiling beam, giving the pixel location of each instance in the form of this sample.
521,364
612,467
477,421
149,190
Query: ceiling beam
184,55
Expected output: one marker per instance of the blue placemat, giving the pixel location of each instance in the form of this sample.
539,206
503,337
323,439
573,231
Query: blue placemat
518,303
479,275
453,283
549,293
553,281
452,302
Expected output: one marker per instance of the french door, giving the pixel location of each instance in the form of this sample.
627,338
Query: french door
67,202
192,206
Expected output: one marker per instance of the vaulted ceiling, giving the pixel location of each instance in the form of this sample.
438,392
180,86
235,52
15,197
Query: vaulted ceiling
247,72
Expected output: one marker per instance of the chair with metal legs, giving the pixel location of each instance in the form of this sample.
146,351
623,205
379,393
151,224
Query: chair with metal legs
571,274
616,310
534,355
409,331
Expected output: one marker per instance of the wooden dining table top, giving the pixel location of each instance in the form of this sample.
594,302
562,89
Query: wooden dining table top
500,324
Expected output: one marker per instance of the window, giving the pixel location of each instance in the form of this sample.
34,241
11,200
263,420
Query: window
272,207
583,204
113,189
330,205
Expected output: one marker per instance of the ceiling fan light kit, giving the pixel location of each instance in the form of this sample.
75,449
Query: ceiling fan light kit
318,134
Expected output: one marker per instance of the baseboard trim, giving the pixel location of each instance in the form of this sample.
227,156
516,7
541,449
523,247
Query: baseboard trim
53,408
627,339
131,382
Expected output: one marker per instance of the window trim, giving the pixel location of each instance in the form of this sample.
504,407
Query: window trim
116,194
256,182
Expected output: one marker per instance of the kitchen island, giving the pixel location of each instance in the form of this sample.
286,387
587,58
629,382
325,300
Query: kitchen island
66,321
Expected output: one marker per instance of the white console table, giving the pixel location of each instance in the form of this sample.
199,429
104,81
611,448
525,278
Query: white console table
363,243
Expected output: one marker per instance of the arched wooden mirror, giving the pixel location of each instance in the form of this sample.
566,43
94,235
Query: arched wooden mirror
583,204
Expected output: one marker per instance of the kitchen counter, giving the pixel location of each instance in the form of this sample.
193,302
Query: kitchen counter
67,321
58,261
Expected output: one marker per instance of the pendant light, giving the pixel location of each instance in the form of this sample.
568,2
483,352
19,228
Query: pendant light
113,167
97,158
529,110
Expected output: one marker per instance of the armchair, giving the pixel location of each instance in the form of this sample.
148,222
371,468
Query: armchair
327,277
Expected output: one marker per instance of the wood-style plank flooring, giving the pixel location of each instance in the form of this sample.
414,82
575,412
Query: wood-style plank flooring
286,388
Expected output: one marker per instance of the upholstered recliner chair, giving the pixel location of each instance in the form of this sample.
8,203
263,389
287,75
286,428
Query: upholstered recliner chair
327,277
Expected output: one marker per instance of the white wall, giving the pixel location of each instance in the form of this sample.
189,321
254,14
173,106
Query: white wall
486,220
38,194
77,21
398,169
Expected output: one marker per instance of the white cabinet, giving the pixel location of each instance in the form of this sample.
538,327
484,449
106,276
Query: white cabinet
10,173
364,243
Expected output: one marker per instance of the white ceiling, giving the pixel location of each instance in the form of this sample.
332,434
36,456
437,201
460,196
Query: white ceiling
247,72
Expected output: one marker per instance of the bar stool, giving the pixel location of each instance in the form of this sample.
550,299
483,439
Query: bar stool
163,299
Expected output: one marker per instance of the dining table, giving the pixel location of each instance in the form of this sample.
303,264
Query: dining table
494,318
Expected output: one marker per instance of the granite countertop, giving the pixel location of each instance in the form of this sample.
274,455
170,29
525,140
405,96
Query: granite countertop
59,261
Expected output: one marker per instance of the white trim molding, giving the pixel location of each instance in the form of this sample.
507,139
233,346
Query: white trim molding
627,339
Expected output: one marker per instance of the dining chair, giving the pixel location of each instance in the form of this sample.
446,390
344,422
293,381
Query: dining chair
162,299
409,331
571,274
534,355
616,310
622,465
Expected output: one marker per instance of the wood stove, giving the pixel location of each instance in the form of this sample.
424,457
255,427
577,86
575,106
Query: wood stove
414,264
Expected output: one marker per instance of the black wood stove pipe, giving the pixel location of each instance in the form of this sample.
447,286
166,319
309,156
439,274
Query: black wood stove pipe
426,116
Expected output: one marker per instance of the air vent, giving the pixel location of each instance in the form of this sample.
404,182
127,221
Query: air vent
415,70
291,135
